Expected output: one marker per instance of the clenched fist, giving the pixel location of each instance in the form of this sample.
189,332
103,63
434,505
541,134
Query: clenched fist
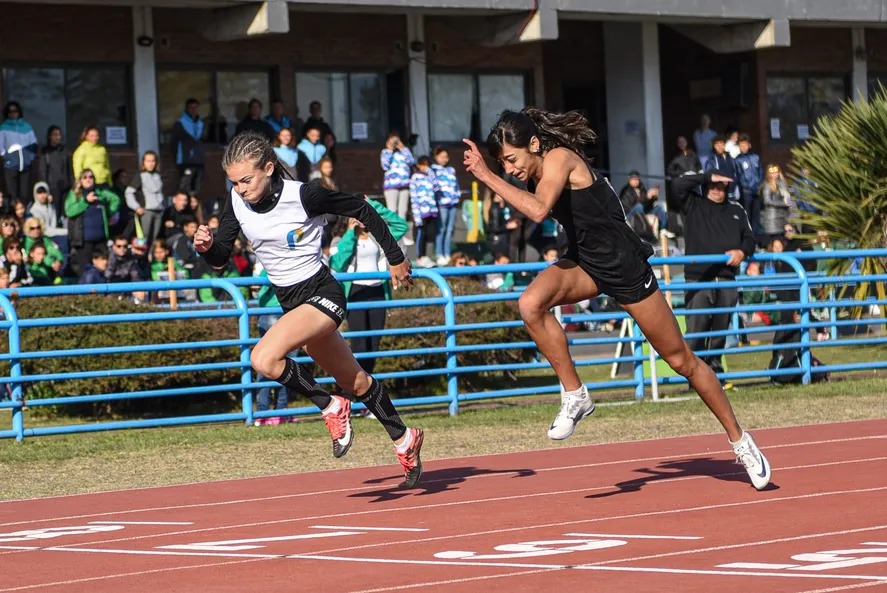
203,239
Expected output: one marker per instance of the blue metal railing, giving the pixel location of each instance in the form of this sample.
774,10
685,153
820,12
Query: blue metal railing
19,380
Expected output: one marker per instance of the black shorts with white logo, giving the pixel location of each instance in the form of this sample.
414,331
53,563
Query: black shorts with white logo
321,291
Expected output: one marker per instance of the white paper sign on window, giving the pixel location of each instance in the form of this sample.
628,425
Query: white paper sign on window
803,131
115,135
774,128
360,130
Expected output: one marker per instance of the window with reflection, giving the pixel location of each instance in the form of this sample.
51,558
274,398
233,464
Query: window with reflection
354,104
467,105
795,103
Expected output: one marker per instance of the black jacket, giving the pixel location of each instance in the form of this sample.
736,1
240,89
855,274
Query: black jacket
55,169
710,228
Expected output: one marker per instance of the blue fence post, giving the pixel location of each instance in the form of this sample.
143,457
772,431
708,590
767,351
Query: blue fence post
15,368
246,372
638,349
804,304
450,333
832,314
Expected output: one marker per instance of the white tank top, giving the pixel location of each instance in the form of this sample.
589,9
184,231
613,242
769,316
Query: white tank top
286,240
367,260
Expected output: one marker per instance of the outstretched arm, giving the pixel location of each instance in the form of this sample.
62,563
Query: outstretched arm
534,205
319,200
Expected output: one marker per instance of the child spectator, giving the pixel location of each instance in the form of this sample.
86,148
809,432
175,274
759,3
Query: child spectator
145,196
500,280
94,273
13,261
54,259
160,260
424,208
446,190
42,274
44,210
396,162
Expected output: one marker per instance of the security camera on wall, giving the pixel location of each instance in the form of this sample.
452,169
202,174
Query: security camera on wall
145,41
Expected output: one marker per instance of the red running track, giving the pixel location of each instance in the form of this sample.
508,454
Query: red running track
672,514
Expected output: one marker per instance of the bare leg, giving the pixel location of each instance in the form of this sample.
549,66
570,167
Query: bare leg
656,320
561,283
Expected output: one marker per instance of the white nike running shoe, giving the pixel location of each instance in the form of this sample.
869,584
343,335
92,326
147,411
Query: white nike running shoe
757,466
573,409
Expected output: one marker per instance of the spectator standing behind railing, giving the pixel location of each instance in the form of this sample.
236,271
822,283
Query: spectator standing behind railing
18,147
43,209
776,203
713,225
145,196
397,162
55,170
424,208
313,151
175,215
358,251
750,175
446,190
92,156
287,154
276,119
254,122
187,141
124,266
88,208
94,273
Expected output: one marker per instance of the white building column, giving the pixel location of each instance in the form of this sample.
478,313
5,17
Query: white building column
860,65
144,75
418,83
634,101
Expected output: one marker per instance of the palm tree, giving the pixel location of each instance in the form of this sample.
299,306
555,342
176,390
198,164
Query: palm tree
842,172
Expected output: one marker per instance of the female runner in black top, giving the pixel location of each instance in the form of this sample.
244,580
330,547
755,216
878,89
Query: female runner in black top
284,220
545,150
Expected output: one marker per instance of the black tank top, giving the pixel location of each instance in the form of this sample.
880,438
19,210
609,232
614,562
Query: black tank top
599,239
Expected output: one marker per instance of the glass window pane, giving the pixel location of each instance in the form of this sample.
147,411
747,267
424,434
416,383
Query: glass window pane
100,97
451,105
368,107
787,102
41,92
234,90
174,87
826,94
331,90
496,93
875,83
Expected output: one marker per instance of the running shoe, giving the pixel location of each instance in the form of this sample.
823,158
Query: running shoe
410,461
338,422
757,466
573,409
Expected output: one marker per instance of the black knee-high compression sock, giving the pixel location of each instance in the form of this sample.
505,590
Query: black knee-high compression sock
377,401
296,378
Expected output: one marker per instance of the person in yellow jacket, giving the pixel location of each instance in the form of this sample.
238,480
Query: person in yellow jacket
93,156
358,251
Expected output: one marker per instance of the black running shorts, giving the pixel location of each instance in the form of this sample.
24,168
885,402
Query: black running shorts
321,291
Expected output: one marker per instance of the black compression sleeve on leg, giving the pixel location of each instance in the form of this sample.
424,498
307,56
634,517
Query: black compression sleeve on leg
296,378
379,404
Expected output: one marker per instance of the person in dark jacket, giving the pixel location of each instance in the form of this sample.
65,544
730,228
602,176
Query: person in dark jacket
55,169
254,122
187,139
685,160
723,163
750,175
713,225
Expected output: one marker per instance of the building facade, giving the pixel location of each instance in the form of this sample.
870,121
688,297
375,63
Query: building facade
643,70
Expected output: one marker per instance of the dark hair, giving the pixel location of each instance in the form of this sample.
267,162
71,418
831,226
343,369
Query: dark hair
38,244
10,105
156,161
12,244
554,130
188,219
100,252
191,101
438,150
313,103
744,138
424,160
718,138
49,132
252,102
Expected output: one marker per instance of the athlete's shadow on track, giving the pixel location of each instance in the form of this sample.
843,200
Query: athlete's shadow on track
434,482
720,469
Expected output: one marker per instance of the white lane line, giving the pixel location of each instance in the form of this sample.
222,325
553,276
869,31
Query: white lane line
367,528
779,540
141,523
620,536
844,588
462,503
657,458
757,566
164,553
42,586
793,575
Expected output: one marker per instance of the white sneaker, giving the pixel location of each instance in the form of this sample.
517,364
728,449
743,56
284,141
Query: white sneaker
425,262
443,261
757,466
573,409
667,234
408,241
